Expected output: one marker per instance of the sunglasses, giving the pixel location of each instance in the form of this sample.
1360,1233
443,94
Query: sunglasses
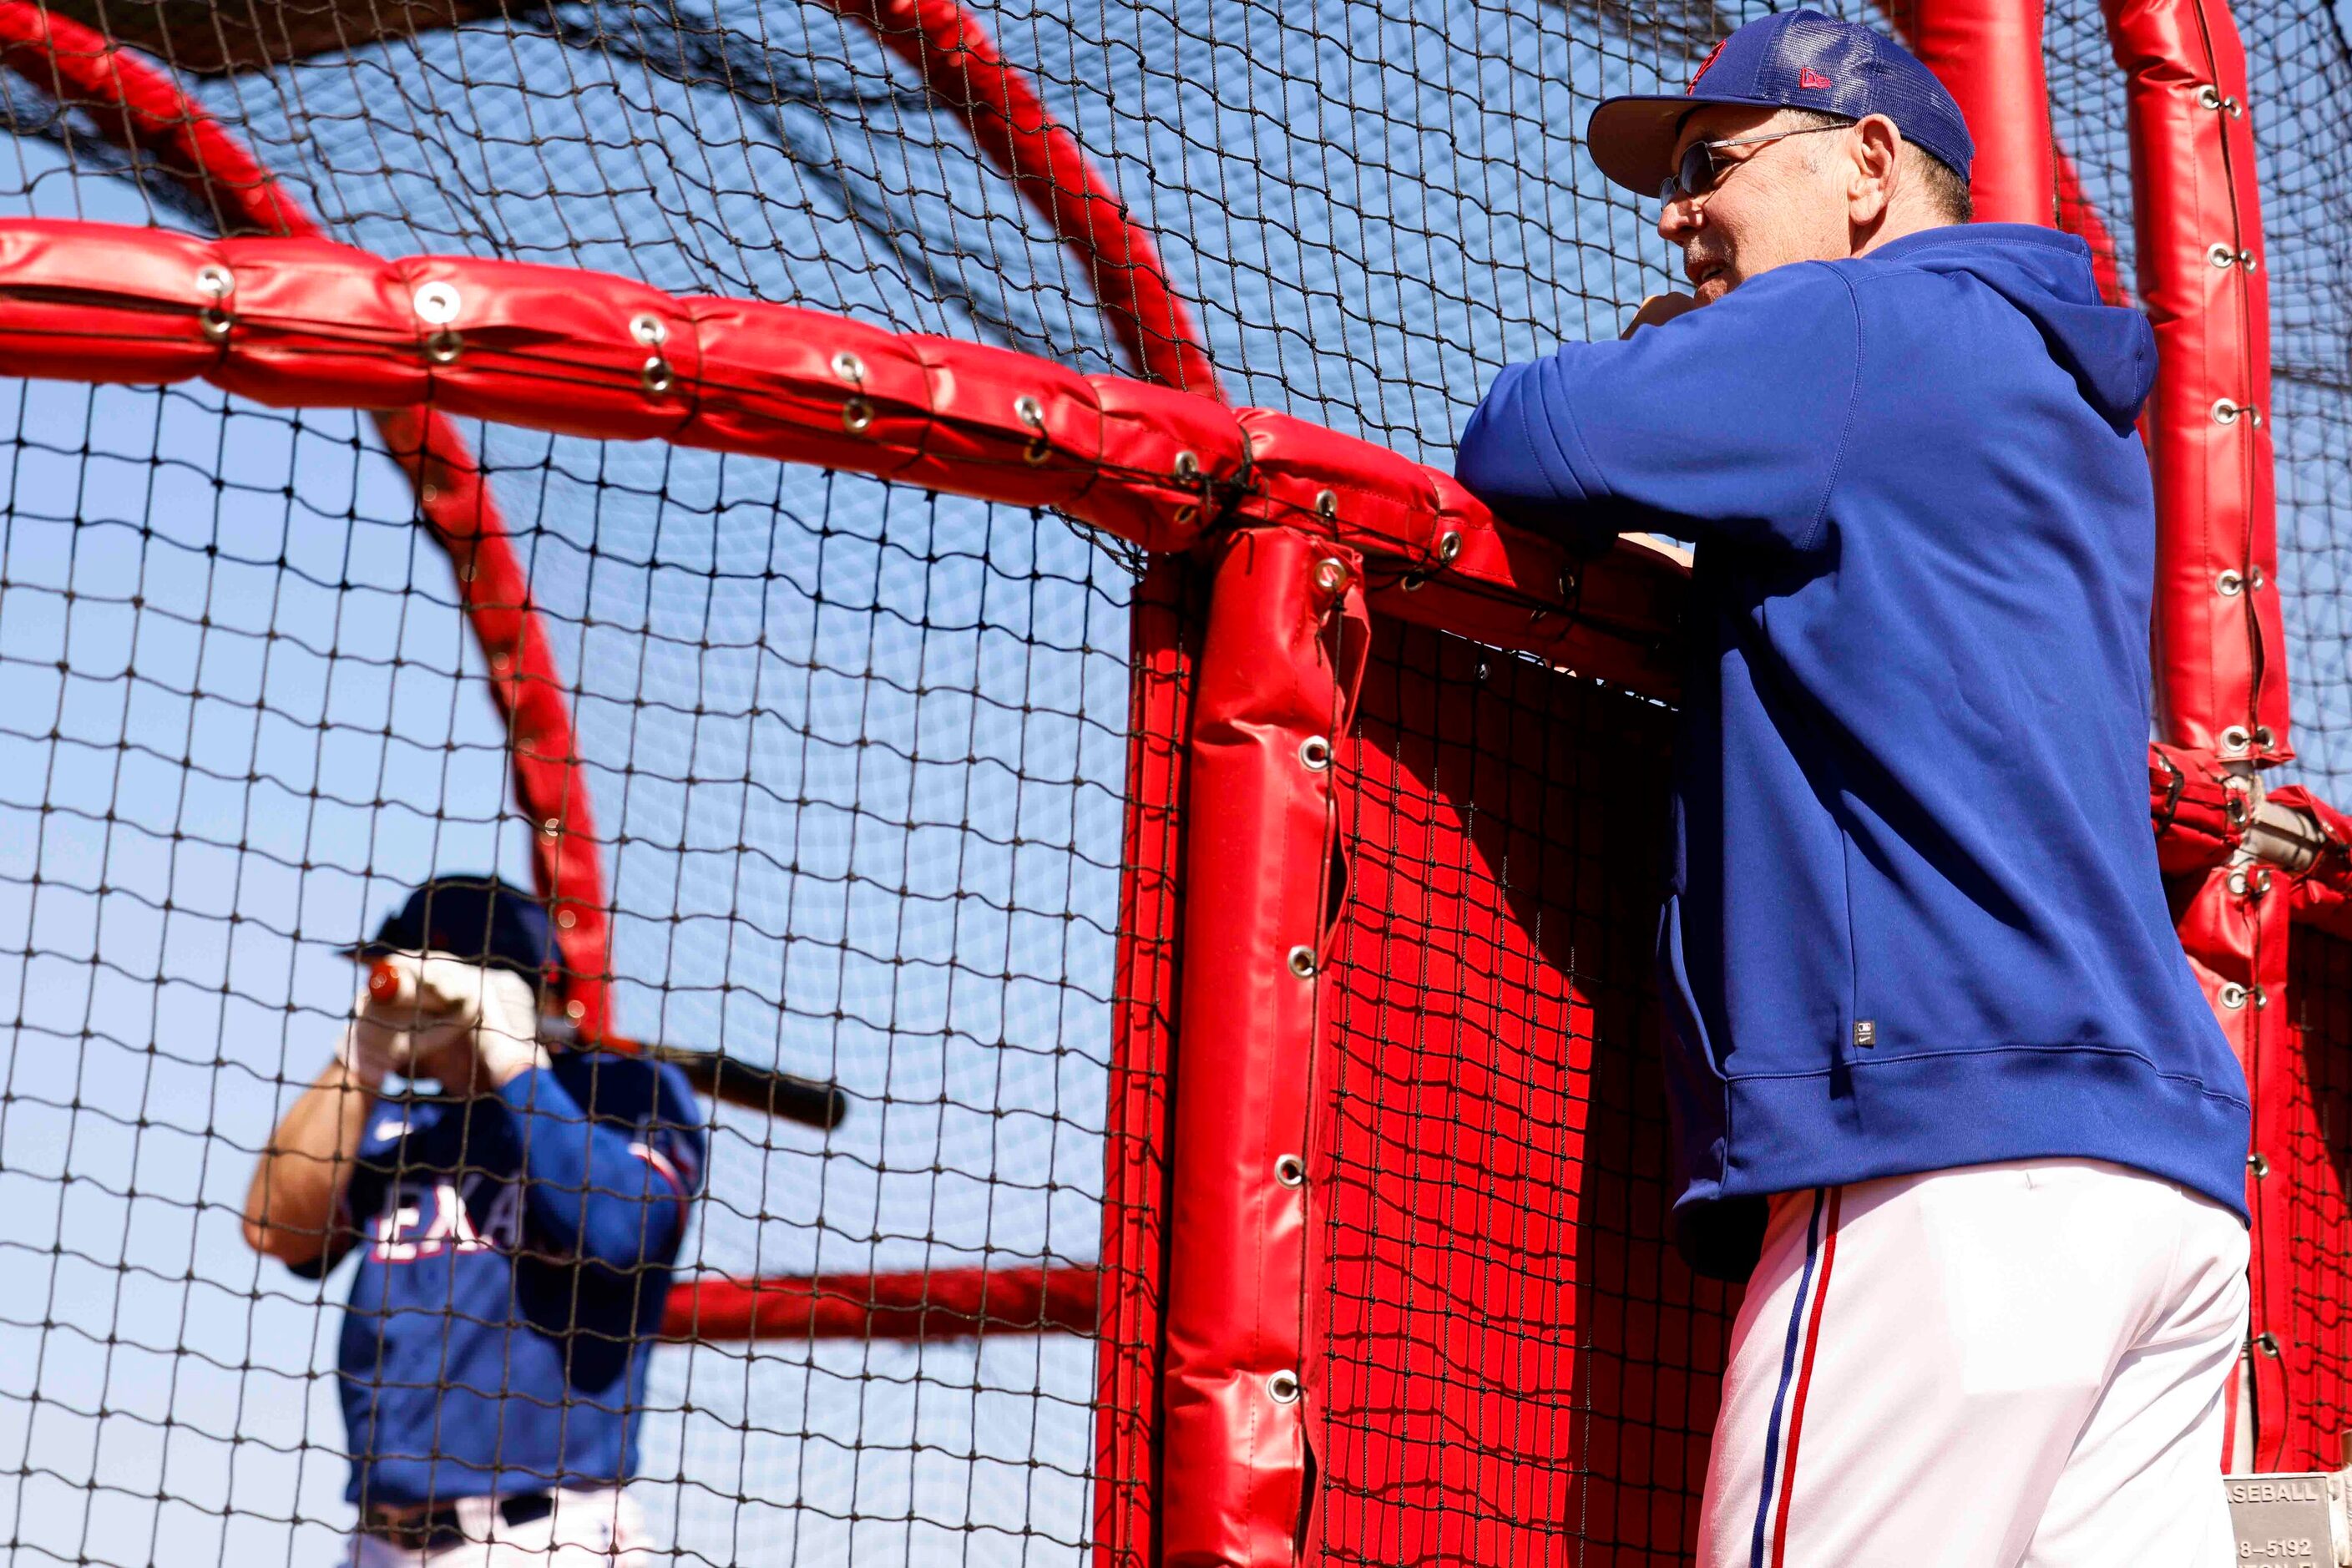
1698,172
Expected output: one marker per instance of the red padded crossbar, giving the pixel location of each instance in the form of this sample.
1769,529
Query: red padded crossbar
300,323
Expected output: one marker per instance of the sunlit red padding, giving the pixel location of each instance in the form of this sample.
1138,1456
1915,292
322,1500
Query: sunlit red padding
309,323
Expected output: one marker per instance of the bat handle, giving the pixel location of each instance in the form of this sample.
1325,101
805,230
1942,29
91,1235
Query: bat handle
385,983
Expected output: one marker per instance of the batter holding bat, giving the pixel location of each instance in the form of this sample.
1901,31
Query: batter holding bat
516,1231
1945,1090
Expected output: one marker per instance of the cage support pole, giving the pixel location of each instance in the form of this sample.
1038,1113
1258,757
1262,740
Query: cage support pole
1134,1255
2220,666
1279,666
2221,672
1987,54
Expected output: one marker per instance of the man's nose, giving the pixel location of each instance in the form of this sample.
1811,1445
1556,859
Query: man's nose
1678,219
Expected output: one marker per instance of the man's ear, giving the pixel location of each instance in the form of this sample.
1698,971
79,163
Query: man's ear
1876,148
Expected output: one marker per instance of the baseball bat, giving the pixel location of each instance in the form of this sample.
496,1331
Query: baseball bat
809,1101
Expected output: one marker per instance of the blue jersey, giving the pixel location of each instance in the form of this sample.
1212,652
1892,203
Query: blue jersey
515,1253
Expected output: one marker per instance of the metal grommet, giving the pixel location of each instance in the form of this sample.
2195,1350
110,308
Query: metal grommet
1283,1387
1036,451
2230,584
1302,962
566,919
1315,753
1411,582
1327,504
1029,411
2267,1342
551,828
2209,97
857,414
215,322
576,1010
1187,515
2232,994
444,347
849,367
2219,254
2262,997
656,376
2258,1165
437,303
2262,881
2247,259
2253,576
1449,545
648,331
1188,468
215,281
2235,740
2226,412
1290,1171
1331,573
2237,883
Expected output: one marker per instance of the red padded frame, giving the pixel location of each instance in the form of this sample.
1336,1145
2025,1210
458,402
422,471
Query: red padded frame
1210,1474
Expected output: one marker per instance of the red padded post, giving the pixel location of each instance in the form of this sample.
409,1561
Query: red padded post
2221,670
1279,668
1134,1255
1987,54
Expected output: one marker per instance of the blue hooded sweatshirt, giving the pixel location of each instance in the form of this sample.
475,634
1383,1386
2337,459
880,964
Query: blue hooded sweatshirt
1913,918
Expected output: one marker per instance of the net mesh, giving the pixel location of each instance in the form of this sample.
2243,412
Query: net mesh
867,763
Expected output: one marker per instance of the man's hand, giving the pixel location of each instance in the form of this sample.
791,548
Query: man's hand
395,1024
493,1018
1658,309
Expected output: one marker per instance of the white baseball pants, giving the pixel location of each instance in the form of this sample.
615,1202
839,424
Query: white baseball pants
595,1528
2020,1365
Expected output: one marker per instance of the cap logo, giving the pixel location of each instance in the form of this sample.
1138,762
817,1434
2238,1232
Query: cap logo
1706,65
1811,81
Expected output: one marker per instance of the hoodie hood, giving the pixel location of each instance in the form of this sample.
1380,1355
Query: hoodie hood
2047,275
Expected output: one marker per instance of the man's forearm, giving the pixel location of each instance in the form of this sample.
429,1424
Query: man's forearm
299,1182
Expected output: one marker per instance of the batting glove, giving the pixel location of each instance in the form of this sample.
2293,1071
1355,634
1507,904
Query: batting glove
392,1024
498,1005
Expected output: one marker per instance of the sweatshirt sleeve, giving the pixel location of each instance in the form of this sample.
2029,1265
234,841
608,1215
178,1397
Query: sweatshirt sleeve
593,1187
1729,421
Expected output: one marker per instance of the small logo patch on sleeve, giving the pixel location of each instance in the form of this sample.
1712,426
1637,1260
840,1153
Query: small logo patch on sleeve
1866,1032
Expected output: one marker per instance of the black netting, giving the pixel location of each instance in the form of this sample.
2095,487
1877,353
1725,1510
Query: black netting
860,755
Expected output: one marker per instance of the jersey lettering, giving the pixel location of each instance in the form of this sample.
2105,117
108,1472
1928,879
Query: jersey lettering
403,1234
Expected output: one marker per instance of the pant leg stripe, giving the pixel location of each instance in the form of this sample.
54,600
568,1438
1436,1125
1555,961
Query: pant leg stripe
1805,1379
1788,1355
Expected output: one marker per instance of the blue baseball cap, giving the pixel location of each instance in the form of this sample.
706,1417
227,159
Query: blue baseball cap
1795,59
478,919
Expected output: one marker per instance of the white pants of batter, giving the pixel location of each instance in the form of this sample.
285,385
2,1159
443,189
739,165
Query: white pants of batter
2020,1365
600,1528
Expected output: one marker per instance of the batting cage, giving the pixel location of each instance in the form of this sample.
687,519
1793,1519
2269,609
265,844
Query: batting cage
924,537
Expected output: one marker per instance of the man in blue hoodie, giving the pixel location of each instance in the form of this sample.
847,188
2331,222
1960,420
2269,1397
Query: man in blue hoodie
1945,1090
